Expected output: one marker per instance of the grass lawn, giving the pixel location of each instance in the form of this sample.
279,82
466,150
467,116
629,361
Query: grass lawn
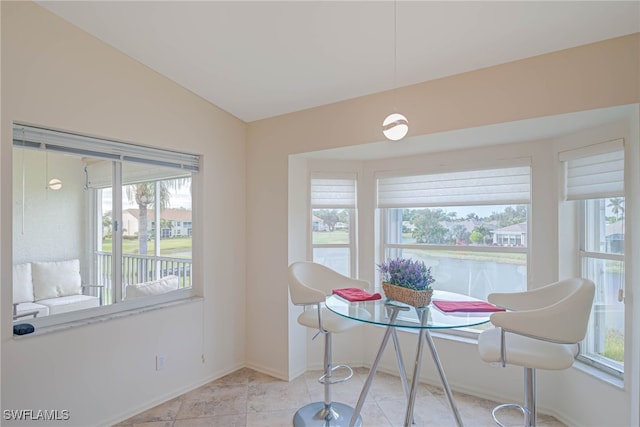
329,237
614,345
167,246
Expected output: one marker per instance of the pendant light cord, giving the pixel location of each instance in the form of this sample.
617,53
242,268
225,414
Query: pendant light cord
395,44
395,56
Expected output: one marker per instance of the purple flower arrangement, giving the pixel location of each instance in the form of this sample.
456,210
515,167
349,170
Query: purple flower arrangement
407,273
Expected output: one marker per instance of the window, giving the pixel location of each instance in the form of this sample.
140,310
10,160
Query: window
594,180
470,227
332,222
99,220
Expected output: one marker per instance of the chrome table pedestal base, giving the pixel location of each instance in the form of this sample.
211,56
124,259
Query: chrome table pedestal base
423,335
317,414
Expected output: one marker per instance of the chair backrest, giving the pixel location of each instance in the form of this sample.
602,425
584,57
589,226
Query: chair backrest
559,311
311,283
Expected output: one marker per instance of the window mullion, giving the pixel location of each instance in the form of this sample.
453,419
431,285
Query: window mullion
117,233
156,236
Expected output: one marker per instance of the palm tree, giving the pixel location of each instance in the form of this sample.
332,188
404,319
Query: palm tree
616,206
143,195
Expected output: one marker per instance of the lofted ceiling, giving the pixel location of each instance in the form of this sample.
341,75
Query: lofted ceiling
259,59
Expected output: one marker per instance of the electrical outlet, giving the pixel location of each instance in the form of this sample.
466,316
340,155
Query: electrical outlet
159,362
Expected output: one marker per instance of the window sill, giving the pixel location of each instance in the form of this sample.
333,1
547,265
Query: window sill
600,375
48,329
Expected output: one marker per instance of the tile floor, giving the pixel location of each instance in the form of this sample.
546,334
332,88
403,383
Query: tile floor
247,398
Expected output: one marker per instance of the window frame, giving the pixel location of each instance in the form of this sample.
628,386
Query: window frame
382,219
598,362
603,166
353,212
55,140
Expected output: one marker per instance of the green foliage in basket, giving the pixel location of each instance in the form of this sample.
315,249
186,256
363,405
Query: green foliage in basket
407,273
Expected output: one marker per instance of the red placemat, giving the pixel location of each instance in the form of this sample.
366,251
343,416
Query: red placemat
466,306
355,294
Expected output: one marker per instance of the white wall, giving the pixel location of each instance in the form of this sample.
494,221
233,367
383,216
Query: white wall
588,77
48,225
56,76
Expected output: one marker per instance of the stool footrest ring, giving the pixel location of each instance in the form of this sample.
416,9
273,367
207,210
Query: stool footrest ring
505,406
323,379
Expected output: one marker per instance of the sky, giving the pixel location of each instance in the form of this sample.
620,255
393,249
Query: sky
181,199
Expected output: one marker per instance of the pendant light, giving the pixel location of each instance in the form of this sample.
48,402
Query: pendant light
395,126
54,184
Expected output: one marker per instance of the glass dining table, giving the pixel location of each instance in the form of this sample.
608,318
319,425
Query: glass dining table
392,315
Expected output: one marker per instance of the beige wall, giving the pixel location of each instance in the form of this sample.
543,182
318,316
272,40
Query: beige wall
57,76
588,77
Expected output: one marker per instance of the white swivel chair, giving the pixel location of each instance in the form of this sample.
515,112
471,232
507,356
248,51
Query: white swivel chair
542,331
309,285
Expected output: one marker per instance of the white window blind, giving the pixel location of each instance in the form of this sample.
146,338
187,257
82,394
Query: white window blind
333,192
468,188
595,171
66,142
98,175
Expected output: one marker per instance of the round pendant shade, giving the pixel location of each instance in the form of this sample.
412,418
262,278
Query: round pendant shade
395,127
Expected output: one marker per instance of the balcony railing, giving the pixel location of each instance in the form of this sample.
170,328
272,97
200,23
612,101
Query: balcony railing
139,269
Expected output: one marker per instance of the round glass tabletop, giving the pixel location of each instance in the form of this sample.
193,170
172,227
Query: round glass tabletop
378,312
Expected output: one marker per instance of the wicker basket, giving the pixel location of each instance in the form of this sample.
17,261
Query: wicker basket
407,296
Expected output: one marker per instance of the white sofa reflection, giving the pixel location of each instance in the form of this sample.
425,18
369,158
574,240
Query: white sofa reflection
154,287
47,288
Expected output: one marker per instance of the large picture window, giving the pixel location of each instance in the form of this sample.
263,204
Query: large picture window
470,227
97,223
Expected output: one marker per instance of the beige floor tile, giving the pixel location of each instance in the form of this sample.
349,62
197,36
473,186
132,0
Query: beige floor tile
373,416
218,421
246,398
164,412
214,400
270,418
428,410
155,424
278,395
